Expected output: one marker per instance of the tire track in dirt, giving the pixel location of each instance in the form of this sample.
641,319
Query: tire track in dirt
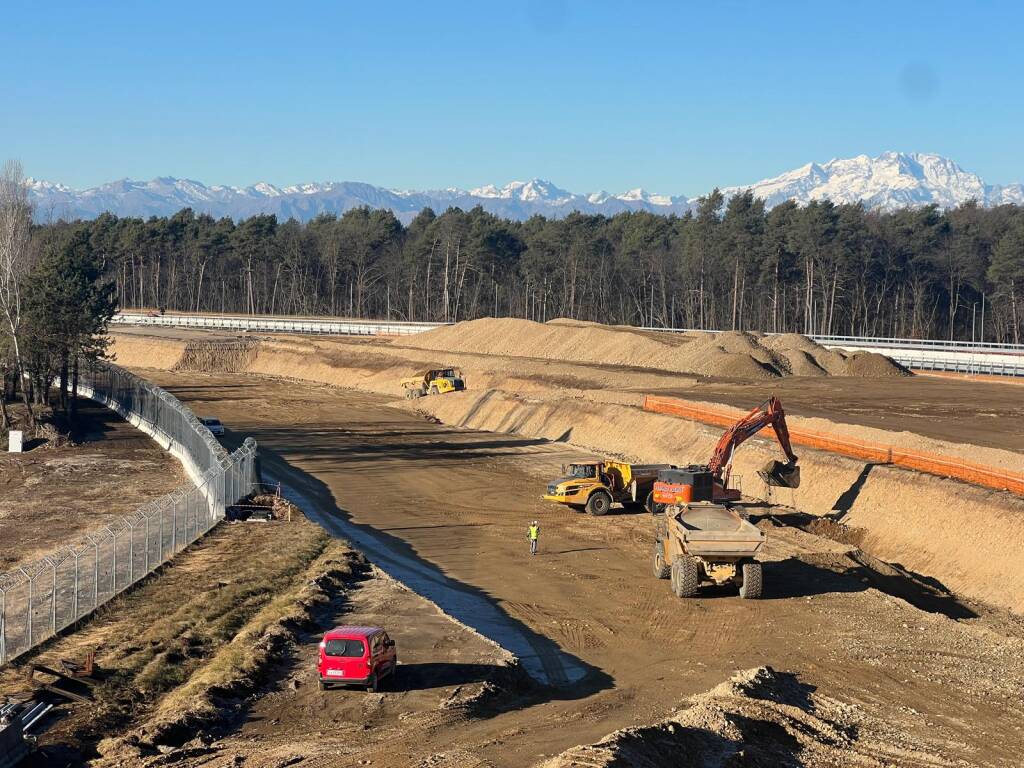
831,628
539,657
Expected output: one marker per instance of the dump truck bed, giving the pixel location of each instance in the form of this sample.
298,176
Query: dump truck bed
714,531
648,471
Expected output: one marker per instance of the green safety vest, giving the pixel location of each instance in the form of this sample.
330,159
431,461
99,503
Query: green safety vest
534,532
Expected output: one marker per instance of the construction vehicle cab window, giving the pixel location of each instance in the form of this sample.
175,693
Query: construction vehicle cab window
436,381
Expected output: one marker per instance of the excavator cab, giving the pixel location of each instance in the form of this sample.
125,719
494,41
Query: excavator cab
780,474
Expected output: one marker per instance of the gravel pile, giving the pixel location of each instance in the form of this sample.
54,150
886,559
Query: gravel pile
729,354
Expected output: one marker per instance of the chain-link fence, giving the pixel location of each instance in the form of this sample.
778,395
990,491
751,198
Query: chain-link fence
39,599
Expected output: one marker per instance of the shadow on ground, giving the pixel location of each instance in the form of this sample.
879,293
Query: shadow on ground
556,674
864,570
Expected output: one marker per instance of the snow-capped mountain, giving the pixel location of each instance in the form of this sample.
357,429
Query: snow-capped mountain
164,196
887,182
891,180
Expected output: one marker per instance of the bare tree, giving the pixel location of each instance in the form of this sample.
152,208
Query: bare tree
15,230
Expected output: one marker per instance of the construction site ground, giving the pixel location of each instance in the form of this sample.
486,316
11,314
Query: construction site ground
950,409
602,644
50,496
849,659
986,413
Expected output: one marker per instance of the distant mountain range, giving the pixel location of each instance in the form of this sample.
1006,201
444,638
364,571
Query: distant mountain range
890,181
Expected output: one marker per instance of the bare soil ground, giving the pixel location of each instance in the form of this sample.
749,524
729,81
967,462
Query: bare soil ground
954,410
456,503
865,653
227,634
984,413
49,496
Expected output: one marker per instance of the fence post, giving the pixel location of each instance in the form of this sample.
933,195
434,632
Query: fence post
53,600
31,595
95,573
113,573
74,600
3,626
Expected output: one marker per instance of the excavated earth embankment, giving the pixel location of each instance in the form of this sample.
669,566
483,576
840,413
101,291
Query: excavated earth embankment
759,717
967,538
959,537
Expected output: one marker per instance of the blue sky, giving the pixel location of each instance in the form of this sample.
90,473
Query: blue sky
674,97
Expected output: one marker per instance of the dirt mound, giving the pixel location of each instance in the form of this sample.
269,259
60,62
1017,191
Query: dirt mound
217,356
782,341
802,363
729,354
873,364
759,717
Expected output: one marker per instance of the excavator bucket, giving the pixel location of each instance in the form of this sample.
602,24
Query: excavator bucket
780,474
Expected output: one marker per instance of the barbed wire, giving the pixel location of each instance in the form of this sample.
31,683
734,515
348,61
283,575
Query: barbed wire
40,598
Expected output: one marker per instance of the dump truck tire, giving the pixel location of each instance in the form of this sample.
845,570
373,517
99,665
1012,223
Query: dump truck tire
434,390
661,568
753,581
685,576
652,506
599,503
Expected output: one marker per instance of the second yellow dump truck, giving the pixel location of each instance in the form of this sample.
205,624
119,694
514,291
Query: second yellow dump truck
436,381
596,485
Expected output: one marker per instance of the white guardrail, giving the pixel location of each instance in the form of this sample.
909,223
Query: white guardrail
276,324
921,354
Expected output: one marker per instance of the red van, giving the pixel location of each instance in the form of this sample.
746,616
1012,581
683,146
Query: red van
356,656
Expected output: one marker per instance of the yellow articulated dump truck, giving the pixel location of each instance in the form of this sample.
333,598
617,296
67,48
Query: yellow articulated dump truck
596,485
436,381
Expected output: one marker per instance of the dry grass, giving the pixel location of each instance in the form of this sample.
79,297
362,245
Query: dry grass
53,493
212,616
238,666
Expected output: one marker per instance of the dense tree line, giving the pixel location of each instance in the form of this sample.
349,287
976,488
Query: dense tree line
55,302
820,268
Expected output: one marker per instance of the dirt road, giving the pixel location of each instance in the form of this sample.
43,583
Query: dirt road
453,506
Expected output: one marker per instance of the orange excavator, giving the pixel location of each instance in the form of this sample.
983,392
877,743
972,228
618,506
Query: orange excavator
710,482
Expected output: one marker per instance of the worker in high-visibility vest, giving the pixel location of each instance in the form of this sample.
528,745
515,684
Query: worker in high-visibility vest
533,534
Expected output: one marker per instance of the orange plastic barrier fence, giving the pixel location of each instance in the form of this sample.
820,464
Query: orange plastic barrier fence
930,463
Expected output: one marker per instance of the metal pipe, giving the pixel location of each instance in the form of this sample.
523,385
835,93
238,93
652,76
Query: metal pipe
25,728
32,710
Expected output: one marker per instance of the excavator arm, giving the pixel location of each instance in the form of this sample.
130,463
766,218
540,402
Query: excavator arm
775,473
